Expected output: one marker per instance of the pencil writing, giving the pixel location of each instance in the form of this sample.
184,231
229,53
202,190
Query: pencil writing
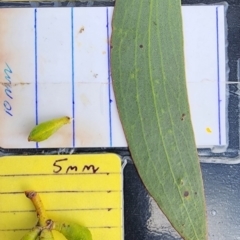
8,91
60,168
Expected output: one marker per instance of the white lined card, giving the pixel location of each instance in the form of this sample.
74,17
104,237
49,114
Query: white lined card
56,62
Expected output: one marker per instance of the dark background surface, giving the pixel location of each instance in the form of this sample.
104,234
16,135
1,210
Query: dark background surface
143,219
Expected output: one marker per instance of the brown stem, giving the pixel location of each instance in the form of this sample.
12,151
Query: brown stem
41,213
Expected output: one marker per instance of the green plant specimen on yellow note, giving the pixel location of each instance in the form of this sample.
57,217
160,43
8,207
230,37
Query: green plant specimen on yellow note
148,72
45,226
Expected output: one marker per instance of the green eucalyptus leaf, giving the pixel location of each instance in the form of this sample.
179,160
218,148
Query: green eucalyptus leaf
148,72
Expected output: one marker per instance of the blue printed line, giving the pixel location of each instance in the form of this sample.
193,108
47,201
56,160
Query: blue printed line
109,82
36,69
218,80
73,90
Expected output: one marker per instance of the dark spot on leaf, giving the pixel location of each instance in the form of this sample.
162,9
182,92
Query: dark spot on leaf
111,46
195,193
183,116
141,46
186,194
154,23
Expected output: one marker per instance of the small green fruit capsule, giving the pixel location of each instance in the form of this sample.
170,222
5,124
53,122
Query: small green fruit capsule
46,234
32,235
44,130
73,231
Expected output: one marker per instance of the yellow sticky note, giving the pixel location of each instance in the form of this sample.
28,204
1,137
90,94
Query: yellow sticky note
86,189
